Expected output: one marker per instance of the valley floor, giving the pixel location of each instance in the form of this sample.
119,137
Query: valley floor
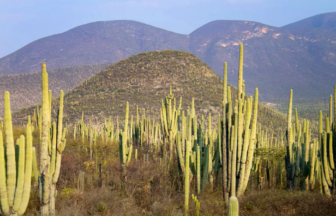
148,188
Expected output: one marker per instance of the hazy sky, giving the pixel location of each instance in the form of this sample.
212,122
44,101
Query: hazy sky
23,21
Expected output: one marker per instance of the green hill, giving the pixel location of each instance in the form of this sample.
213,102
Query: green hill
145,79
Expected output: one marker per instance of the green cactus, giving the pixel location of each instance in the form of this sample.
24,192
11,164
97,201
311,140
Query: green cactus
14,201
244,136
186,179
52,146
233,209
197,204
125,151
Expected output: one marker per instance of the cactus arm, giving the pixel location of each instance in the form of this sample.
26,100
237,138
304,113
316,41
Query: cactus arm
21,174
60,143
28,171
53,150
10,151
252,144
35,170
289,122
224,130
129,156
242,176
50,107
186,179
330,111
240,133
331,155
3,186
179,152
312,168
234,157
204,180
325,161
198,170
324,182
320,128
335,105
245,147
240,72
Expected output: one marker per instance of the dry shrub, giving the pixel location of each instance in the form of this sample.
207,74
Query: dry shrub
143,188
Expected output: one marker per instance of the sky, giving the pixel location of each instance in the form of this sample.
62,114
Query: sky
24,21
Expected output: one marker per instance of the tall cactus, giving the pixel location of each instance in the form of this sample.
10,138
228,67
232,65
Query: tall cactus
52,146
186,179
233,209
244,135
44,156
125,151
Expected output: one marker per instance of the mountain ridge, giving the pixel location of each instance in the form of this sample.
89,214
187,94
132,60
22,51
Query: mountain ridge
276,59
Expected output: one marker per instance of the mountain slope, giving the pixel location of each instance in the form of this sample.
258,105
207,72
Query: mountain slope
276,59
144,80
321,21
25,89
93,43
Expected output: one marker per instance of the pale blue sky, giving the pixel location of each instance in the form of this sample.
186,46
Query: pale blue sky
23,21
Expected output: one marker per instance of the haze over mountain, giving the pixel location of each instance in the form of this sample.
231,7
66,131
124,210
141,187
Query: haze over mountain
299,56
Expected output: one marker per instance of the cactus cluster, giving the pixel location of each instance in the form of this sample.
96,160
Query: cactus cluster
301,153
125,150
238,135
15,166
52,145
325,165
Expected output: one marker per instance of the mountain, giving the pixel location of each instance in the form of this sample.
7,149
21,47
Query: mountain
321,21
25,89
93,43
144,80
275,59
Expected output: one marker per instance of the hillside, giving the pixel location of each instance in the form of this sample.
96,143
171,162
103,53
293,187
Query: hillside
276,59
25,89
321,21
145,79
93,43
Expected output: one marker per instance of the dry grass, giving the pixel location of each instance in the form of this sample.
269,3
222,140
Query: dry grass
147,189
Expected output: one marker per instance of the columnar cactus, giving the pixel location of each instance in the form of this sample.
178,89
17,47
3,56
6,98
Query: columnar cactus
186,179
245,135
233,206
233,209
169,120
125,151
52,146
14,186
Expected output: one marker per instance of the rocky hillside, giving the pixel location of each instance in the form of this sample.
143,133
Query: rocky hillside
144,80
25,89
